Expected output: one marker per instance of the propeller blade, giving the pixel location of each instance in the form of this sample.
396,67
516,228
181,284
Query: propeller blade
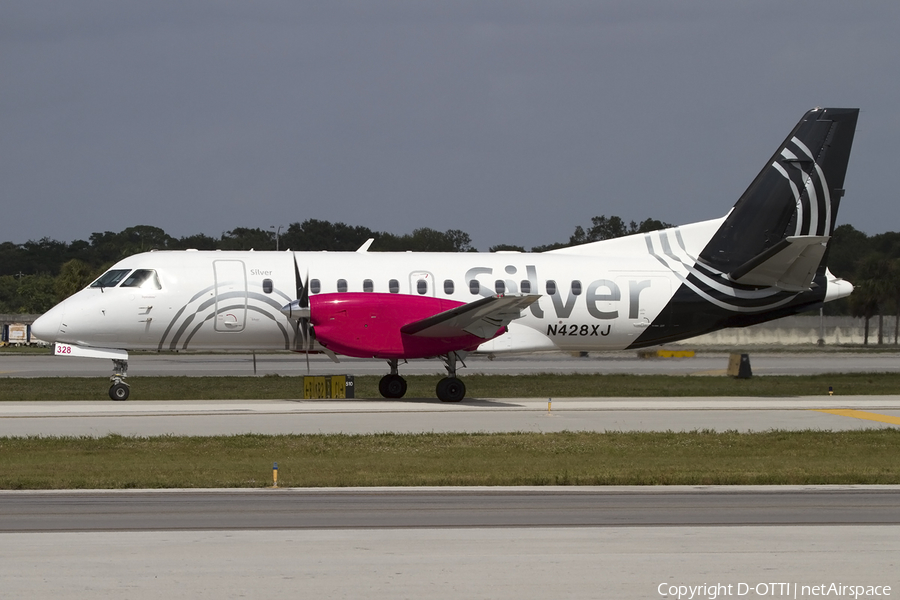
297,280
298,312
303,297
305,316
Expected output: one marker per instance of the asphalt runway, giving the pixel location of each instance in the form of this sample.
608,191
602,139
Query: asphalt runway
447,507
448,543
290,364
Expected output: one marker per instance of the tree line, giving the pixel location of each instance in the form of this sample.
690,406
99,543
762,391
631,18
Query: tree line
872,265
37,274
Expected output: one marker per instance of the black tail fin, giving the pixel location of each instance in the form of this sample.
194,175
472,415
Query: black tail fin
795,195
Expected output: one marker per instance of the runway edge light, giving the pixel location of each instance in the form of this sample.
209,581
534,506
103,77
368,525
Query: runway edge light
275,475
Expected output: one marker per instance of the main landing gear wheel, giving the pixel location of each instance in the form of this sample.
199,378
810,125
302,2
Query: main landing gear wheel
392,386
119,391
451,389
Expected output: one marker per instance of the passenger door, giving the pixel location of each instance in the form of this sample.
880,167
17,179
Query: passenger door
231,295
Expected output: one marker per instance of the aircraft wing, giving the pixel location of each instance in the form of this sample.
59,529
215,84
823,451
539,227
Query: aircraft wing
790,264
481,318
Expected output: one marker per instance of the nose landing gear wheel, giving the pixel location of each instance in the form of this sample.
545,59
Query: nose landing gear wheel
392,386
451,389
119,391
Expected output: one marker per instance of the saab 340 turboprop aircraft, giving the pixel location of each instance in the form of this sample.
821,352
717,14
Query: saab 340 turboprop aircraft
765,259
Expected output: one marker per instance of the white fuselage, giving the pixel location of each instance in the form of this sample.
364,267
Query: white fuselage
598,296
214,300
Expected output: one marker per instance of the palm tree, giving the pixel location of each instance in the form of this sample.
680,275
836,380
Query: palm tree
894,287
878,284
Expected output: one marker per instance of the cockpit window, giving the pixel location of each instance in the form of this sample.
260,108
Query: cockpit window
144,279
111,278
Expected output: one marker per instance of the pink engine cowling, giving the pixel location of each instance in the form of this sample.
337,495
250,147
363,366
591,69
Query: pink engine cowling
367,325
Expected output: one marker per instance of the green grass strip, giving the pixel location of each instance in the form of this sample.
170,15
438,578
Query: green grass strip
479,386
694,458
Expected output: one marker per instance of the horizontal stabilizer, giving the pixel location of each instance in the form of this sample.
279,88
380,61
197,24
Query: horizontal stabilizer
481,318
789,265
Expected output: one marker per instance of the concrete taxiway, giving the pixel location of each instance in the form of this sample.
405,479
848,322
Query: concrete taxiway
623,563
411,415
289,364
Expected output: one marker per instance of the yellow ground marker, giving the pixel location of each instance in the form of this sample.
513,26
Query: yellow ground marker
666,354
675,353
861,414
713,373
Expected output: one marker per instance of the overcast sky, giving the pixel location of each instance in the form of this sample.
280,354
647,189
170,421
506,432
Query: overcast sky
513,121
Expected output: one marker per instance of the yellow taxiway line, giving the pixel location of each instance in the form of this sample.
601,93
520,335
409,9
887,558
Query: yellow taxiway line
861,414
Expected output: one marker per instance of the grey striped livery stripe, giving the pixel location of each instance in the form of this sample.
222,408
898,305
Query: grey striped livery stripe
808,185
709,283
202,308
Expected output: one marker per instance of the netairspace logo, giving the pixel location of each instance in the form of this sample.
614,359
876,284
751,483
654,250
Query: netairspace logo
712,591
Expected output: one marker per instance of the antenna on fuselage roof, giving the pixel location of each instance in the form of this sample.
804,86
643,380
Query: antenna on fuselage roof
365,247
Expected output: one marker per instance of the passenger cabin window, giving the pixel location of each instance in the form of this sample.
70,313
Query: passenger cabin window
111,278
551,287
394,286
342,285
576,288
474,287
525,286
500,287
448,286
267,286
422,287
315,286
368,286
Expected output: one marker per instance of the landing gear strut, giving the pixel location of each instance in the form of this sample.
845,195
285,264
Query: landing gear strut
118,389
392,385
450,388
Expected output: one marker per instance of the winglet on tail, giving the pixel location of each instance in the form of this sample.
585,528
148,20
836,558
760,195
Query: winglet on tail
777,233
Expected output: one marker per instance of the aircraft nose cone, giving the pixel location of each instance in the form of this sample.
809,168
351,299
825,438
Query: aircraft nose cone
46,328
